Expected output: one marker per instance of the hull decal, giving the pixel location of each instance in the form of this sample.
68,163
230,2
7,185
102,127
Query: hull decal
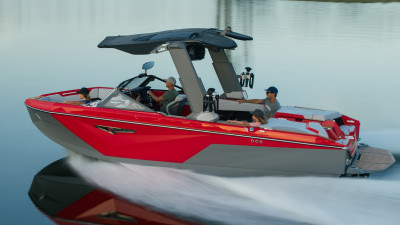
115,130
189,129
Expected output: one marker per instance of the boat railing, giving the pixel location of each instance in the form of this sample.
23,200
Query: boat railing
71,95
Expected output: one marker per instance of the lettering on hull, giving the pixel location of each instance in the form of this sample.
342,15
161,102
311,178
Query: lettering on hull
115,130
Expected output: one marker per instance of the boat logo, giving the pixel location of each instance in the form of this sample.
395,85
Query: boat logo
114,130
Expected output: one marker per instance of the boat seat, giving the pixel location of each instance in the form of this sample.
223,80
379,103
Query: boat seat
343,141
347,130
291,126
232,105
306,113
176,106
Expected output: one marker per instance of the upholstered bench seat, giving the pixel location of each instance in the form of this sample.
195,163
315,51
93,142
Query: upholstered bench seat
306,113
291,126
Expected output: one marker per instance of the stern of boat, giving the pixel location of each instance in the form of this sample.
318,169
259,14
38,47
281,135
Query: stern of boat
370,160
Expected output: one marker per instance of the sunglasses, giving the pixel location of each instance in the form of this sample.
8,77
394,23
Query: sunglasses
268,92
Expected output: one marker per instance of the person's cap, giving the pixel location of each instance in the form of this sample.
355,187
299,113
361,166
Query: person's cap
84,91
171,80
272,89
258,113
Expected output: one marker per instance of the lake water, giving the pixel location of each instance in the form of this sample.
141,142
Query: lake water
342,56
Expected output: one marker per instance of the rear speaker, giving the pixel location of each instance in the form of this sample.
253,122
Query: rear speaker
196,52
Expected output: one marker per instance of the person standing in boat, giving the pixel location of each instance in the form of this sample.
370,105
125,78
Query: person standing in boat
258,119
168,96
83,94
270,102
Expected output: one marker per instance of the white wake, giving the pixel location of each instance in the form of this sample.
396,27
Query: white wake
261,200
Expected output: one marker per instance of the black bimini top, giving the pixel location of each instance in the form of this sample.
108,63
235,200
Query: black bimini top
140,44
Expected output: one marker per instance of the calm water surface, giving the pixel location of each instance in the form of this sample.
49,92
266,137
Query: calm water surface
329,55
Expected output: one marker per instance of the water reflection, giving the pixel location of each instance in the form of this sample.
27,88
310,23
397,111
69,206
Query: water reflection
65,197
232,13
351,1
149,195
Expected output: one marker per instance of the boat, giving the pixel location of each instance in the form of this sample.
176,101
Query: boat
66,198
193,133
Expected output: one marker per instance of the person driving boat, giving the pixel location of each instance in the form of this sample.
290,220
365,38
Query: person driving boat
168,96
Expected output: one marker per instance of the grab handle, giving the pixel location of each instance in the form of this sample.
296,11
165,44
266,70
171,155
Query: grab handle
68,93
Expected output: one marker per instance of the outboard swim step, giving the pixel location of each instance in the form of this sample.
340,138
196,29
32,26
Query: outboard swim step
371,160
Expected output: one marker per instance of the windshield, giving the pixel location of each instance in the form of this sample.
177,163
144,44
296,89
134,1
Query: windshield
118,100
135,82
141,81
132,94
157,84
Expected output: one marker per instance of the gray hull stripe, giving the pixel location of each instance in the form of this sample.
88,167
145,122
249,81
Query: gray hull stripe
188,129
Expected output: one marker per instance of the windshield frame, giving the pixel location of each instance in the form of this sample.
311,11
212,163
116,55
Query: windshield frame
145,83
116,93
123,88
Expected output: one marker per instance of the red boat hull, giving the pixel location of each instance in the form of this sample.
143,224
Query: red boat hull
150,138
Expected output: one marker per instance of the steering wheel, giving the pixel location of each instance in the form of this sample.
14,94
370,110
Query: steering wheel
126,92
146,98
